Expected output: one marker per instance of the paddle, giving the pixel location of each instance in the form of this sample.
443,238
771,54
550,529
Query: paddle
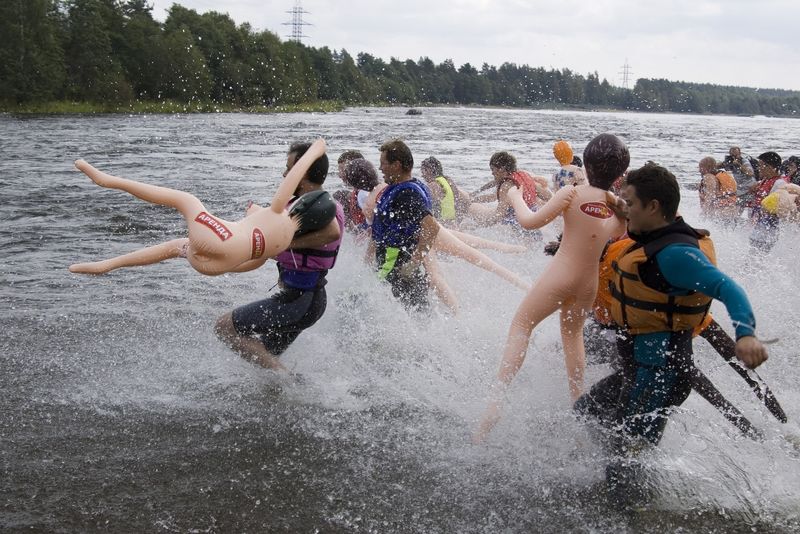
708,391
726,347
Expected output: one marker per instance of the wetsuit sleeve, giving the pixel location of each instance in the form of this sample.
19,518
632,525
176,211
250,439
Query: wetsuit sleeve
686,267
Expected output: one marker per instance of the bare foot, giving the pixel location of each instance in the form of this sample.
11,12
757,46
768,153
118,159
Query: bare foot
95,267
100,178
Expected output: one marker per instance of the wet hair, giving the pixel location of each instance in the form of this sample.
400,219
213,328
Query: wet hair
397,150
708,163
319,169
349,155
361,174
605,158
654,182
772,159
577,161
503,160
432,164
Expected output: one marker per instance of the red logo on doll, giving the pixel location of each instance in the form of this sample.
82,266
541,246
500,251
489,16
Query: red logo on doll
259,244
219,228
597,209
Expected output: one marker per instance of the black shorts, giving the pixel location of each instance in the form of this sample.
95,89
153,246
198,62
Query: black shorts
278,320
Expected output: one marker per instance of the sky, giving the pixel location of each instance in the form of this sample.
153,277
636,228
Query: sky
732,42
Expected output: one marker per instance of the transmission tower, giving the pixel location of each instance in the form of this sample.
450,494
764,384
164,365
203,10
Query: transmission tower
297,23
626,73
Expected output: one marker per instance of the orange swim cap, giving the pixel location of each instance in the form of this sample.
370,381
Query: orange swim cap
563,152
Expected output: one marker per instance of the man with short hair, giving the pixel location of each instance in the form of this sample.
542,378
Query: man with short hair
742,172
261,331
662,289
717,192
765,224
506,176
403,228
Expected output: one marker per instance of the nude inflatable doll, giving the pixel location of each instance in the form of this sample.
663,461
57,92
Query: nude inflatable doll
214,246
569,282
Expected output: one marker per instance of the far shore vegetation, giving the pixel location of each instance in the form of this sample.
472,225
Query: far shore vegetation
111,56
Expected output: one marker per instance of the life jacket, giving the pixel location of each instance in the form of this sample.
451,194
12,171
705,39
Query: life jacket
726,190
391,233
763,189
305,268
356,215
604,300
641,302
525,182
447,206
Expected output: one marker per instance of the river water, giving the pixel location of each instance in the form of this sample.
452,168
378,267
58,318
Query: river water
122,412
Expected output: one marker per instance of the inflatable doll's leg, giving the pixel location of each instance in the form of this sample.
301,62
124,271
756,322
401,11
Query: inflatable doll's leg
572,318
479,242
145,256
438,282
538,304
447,242
186,203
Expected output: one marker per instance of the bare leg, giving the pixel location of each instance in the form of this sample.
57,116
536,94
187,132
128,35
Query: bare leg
572,319
479,242
248,348
145,256
440,285
186,203
447,242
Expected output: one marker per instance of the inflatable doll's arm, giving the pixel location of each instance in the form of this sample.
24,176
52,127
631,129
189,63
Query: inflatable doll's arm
295,175
536,219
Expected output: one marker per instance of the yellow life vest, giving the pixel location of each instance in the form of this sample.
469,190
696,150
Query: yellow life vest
448,203
640,301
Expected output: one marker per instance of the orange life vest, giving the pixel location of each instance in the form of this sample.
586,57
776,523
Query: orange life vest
526,183
640,307
604,300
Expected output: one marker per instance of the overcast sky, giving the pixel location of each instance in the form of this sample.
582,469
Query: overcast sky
732,42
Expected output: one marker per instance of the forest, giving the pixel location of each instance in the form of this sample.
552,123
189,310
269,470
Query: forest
113,54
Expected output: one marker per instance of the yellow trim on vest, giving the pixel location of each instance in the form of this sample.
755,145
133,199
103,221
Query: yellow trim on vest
388,264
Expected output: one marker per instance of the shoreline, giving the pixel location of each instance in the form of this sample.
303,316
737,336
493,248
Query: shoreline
169,107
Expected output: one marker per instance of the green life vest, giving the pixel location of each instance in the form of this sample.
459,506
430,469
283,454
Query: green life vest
448,203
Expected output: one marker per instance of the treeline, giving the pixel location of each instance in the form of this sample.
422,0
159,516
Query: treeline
113,51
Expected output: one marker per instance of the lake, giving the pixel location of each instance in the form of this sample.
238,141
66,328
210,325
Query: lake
122,411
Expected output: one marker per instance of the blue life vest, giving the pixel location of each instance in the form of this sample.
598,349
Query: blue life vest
391,233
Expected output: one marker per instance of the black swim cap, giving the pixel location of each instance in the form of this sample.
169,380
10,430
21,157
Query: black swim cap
605,159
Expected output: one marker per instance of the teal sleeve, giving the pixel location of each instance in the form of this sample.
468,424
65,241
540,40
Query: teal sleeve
686,268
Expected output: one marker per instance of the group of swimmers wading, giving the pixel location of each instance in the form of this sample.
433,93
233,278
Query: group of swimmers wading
629,263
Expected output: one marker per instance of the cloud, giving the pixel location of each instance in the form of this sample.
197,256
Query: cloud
736,42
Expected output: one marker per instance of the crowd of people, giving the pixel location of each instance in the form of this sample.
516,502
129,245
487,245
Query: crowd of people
626,262
762,191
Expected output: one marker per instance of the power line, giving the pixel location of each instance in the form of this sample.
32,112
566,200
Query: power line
626,73
297,22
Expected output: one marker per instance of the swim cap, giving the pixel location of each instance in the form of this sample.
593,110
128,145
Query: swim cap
563,152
